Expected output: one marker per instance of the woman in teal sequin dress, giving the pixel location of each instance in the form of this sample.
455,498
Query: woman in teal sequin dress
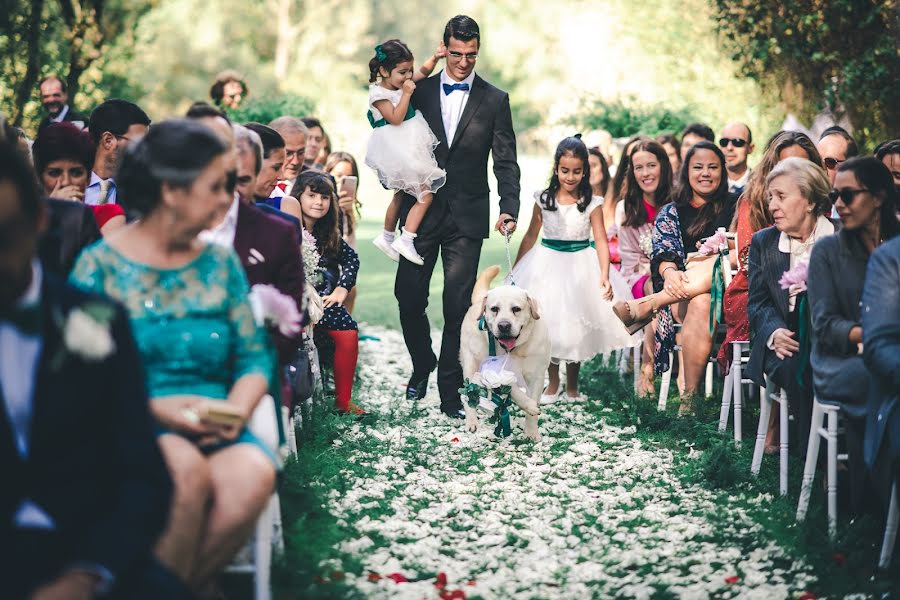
200,345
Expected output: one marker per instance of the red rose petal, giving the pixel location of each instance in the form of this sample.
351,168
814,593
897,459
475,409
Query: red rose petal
396,578
373,576
337,575
806,596
441,581
456,439
471,583
454,595
839,559
318,579
733,579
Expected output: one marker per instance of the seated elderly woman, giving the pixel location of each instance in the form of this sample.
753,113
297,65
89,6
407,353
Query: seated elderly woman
63,157
207,363
798,202
865,200
881,345
700,206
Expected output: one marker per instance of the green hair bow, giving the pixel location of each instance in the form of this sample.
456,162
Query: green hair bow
379,53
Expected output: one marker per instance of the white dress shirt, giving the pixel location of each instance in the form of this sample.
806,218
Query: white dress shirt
741,183
62,115
19,358
223,233
92,193
452,106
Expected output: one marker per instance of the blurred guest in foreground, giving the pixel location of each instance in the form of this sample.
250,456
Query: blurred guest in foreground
207,363
85,490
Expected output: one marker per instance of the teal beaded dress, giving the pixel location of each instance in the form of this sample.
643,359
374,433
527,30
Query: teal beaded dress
193,324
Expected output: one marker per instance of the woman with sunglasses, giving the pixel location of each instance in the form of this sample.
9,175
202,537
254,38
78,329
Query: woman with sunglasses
865,198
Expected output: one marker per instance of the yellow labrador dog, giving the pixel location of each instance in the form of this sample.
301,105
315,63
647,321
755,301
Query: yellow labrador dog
522,345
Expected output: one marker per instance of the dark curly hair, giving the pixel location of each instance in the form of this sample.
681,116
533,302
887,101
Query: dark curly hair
388,55
572,146
62,141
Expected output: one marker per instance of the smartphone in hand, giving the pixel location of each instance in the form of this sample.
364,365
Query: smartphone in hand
349,184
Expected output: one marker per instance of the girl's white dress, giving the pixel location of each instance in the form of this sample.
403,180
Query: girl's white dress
567,285
403,155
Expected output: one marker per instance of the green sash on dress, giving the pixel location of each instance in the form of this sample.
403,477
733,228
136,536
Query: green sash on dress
567,245
410,113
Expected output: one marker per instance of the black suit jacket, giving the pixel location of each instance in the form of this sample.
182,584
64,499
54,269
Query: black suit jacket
71,228
485,127
93,463
276,241
767,303
72,115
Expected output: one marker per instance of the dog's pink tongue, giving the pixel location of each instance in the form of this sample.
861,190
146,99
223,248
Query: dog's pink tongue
508,343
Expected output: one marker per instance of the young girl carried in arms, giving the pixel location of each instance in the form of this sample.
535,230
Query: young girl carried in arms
571,279
401,149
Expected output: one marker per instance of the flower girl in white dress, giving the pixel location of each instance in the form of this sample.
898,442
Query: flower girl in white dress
401,149
571,279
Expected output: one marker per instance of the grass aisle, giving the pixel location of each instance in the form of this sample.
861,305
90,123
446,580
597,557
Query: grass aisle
600,508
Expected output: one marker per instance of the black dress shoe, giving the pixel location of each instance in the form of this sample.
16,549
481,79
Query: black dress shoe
418,385
454,413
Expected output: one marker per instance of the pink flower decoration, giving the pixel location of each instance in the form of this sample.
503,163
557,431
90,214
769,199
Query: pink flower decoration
713,244
272,307
794,280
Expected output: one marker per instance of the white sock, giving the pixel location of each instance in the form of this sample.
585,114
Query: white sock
409,235
388,235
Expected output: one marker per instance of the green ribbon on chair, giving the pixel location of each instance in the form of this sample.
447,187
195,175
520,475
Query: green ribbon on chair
717,295
410,113
566,245
803,325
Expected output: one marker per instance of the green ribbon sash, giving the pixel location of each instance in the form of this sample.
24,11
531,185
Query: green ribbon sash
717,294
567,245
803,325
472,393
410,113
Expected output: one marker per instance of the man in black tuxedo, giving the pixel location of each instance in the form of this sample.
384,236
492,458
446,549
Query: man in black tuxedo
55,98
472,119
85,489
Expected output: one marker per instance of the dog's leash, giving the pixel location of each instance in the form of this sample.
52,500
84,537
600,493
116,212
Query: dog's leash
507,235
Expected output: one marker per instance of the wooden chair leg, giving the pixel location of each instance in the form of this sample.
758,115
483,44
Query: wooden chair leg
890,529
783,434
812,453
765,408
832,472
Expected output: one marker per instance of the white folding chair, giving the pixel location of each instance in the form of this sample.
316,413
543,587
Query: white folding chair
771,393
830,434
637,352
733,389
890,529
267,537
666,381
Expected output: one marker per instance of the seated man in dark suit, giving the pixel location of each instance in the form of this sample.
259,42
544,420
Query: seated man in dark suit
85,490
55,100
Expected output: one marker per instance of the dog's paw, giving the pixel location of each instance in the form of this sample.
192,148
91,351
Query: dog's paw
532,409
471,424
534,436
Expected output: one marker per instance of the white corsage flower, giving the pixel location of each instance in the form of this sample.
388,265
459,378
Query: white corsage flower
86,333
270,306
494,379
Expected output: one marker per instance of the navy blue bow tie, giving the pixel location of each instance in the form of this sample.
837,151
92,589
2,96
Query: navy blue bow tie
449,89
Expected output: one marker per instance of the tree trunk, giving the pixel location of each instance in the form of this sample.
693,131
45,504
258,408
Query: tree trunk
25,87
286,33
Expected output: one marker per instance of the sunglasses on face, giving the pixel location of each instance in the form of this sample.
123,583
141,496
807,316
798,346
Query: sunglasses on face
846,195
736,142
831,163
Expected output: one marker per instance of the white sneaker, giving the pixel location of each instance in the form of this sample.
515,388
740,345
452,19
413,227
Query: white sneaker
404,245
385,246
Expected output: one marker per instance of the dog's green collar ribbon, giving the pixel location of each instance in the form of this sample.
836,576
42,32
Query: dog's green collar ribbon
492,343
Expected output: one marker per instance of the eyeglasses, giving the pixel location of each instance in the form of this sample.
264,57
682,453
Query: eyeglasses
846,195
831,163
736,142
298,153
471,56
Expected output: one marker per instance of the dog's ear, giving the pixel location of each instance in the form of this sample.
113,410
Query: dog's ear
534,307
483,306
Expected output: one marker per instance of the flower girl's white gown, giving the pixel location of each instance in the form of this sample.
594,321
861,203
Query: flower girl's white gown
402,155
567,286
